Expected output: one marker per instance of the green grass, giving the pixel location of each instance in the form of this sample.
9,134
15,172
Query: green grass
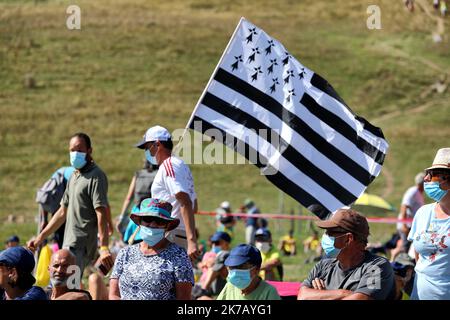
136,63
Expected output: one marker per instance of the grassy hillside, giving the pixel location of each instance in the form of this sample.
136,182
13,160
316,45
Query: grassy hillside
136,63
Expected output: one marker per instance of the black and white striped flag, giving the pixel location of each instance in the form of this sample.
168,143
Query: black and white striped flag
318,151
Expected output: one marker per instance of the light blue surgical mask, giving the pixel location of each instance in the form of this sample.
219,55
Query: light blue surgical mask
216,249
78,159
434,191
150,158
152,236
328,246
241,279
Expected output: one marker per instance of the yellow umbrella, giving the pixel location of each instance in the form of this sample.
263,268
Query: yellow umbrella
375,201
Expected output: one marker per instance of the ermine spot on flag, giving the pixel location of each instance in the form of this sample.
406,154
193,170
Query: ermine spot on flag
318,151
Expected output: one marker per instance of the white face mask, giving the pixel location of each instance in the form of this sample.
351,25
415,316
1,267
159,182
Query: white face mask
263,246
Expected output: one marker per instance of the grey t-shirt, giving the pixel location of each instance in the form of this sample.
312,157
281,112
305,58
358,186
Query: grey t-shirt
86,190
373,277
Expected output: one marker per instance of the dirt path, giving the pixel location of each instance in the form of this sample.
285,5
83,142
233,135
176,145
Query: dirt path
385,171
440,24
418,109
440,30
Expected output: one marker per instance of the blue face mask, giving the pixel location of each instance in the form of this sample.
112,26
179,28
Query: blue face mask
241,279
77,159
152,236
216,249
150,158
328,246
434,191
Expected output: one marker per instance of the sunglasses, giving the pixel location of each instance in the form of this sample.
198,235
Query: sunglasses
154,220
437,174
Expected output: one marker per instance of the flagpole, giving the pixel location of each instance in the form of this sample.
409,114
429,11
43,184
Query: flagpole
207,85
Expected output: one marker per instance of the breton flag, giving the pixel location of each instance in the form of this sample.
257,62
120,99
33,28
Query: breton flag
318,151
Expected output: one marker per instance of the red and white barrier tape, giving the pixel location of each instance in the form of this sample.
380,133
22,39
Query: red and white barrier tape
295,217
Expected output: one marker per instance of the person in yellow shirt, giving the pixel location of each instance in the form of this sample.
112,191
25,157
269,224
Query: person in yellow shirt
288,245
271,266
311,243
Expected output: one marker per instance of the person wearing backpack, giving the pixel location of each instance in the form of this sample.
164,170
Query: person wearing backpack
84,208
140,189
49,198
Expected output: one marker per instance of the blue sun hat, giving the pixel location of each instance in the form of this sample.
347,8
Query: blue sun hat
19,258
152,207
244,253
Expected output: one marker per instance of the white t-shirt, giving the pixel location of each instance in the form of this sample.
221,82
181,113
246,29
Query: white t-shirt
414,199
173,176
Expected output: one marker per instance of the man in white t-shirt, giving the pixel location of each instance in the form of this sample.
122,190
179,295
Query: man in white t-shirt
173,183
412,200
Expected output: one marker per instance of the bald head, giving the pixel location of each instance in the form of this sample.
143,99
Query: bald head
60,267
63,255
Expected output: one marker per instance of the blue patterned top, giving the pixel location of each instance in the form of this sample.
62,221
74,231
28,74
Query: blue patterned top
151,277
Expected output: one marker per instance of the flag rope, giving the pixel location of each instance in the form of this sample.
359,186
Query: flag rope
388,220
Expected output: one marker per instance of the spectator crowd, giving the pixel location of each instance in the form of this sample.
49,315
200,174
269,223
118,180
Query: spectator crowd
159,255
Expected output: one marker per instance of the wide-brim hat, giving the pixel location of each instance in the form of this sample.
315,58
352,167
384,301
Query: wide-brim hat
441,160
151,207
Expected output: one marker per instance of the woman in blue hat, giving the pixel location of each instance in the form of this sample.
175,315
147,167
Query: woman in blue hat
154,269
16,280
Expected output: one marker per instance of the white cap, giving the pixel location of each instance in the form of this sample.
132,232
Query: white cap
225,205
442,159
154,134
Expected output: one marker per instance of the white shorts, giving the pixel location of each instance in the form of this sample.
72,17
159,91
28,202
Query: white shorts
178,236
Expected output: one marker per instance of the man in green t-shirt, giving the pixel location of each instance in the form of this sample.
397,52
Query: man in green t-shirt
84,208
243,281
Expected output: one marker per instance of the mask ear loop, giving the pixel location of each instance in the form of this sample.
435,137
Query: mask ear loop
345,245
